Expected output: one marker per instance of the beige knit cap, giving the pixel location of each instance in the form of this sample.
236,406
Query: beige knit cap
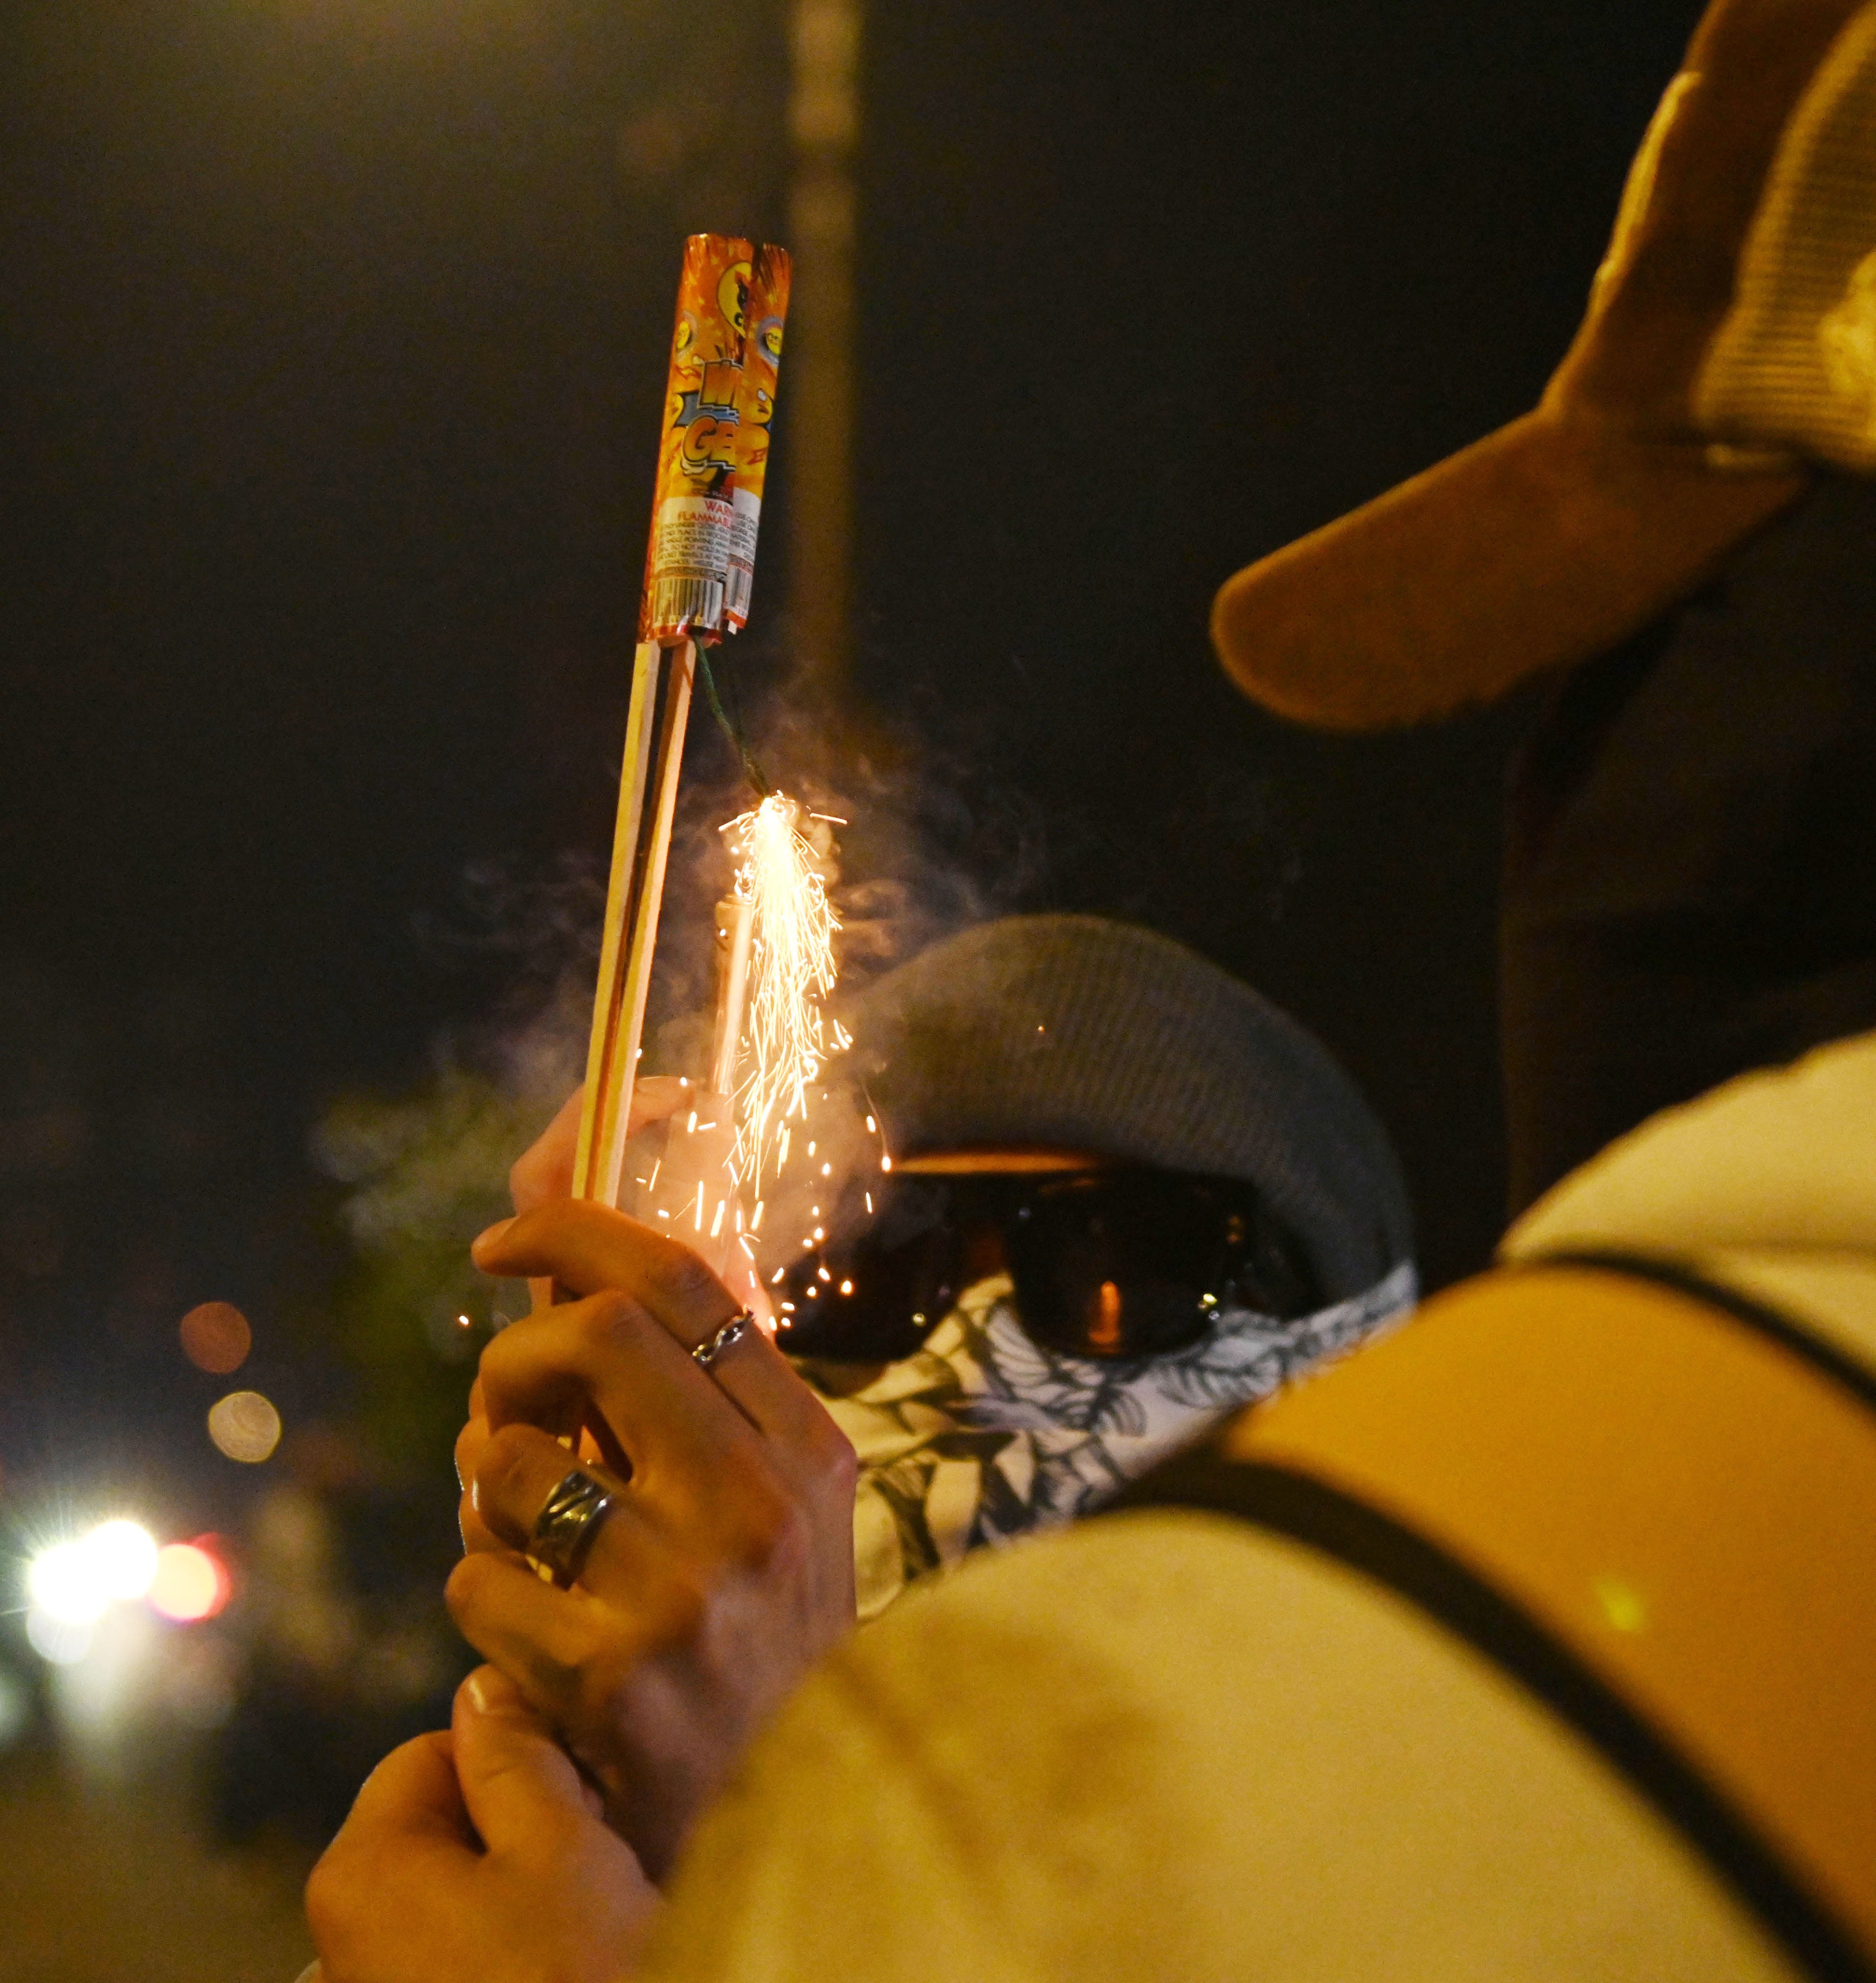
1795,363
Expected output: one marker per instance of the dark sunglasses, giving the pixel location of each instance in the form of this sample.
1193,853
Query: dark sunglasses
1107,1263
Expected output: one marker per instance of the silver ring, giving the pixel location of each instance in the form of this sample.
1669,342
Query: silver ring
564,1530
731,1331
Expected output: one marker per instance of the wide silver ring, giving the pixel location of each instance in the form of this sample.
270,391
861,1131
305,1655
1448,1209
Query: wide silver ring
564,1530
731,1331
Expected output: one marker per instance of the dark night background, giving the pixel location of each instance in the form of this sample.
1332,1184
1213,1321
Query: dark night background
334,337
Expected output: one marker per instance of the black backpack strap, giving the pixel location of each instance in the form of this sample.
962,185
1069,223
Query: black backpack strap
1282,1500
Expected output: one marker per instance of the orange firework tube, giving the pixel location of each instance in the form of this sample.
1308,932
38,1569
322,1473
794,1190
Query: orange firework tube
766,308
687,560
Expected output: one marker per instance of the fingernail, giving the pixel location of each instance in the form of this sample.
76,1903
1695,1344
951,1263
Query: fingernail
489,1234
489,1692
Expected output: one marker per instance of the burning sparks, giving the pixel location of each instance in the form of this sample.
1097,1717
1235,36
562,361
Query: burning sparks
792,970
775,936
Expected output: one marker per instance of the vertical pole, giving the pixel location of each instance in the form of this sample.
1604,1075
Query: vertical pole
824,38
661,680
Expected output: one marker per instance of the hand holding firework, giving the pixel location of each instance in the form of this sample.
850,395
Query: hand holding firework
725,1568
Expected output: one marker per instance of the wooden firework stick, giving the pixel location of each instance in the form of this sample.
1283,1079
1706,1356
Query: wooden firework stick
661,683
706,507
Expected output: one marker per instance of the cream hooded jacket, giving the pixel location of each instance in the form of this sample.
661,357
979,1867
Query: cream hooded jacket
1166,1744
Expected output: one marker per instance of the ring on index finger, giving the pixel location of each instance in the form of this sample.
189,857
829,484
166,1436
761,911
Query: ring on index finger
564,1530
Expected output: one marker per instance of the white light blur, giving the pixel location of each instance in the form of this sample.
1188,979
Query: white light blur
97,1698
123,1555
65,1583
63,1641
71,1585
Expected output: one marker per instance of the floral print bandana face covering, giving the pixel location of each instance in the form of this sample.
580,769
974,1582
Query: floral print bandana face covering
984,1435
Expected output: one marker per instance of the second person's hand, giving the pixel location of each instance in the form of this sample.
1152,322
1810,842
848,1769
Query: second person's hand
725,1567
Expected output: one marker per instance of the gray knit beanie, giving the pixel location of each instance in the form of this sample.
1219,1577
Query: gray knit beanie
1076,1033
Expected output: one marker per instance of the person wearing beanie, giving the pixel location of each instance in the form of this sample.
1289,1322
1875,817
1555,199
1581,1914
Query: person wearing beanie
1129,1194
1680,544
1083,1114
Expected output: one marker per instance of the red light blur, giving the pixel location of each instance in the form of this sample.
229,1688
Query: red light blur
216,1336
191,1583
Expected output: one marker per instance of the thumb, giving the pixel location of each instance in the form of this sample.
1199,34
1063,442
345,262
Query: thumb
519,1785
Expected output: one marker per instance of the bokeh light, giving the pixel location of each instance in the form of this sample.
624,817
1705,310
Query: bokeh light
245,1426
65,1584
190,1583
64,1641
123,1557
216,1337
72,1584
